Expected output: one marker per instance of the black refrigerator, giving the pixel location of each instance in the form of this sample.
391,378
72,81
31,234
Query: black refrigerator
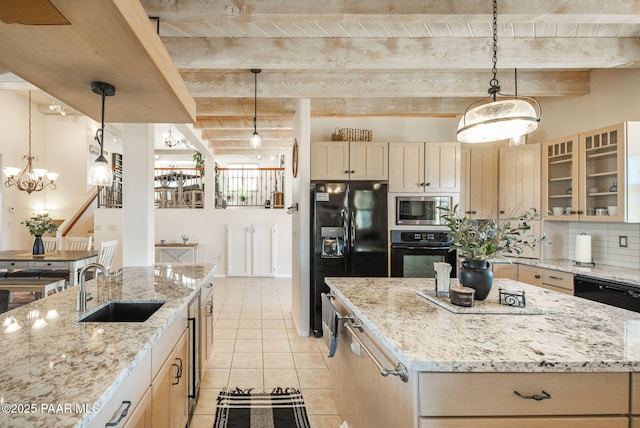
349,235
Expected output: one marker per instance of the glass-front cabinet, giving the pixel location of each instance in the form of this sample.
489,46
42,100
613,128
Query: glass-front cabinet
593,176
602,166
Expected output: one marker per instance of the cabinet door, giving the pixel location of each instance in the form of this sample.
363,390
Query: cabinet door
602,174
161,400
368,161
406,167
483,182
464,205
238,251
206,326
180,384
330,160
505,270
442,167
519,179
141,417
560,179
264,251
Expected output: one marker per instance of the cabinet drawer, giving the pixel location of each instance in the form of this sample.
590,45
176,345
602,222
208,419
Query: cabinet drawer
530,275
563,422
128,395
505,270
558,279
50,265
489,394
558,289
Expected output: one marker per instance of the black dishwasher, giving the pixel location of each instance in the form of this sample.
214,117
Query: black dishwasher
612,293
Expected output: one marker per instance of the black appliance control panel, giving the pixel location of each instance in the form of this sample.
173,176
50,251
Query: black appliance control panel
431,238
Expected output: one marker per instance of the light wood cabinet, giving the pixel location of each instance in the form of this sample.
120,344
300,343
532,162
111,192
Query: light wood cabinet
546,278
343,160
424,167
141,416
206,326
559,422
519,179
530,275
251,250
481,187
505,270
169,404
589,175
496,394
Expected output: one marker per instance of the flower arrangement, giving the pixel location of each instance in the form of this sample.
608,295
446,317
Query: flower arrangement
40,224
486,239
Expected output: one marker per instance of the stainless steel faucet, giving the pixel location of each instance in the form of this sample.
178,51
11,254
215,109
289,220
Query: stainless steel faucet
82,291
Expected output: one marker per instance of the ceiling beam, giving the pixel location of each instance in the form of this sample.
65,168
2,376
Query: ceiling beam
231,122
376,83
331,54
242,134
244,144
428,11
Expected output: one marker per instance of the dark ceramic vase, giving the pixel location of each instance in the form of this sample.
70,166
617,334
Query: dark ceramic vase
38,246
476,274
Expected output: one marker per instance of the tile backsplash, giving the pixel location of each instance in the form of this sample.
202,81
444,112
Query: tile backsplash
605,248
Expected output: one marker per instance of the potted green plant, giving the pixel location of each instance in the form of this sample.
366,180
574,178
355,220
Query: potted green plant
478,241
38,225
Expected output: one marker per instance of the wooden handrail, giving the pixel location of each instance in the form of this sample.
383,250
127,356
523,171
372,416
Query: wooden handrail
67,225
249,169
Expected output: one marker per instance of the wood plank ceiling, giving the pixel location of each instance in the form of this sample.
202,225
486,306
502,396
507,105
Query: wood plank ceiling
381,57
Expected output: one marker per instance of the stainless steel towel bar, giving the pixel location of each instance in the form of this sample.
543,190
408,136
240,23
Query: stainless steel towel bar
400,370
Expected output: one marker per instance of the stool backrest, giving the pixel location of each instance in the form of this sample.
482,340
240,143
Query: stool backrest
108,250
51,244
78,243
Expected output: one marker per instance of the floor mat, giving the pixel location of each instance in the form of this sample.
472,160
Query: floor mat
243,408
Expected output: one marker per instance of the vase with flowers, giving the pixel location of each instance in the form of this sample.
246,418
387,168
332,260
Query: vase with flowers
38,225
478,241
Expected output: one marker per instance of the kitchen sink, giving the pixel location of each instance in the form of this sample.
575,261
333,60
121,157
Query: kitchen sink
123,311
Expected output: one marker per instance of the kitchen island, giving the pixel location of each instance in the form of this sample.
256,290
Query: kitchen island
462,366
59,372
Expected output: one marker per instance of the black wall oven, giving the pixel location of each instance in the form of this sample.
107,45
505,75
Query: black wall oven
413,253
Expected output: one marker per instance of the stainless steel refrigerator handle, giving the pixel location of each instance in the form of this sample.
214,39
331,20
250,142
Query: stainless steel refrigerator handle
345,231
353,230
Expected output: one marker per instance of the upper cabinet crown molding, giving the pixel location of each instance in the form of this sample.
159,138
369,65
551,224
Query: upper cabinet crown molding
105,40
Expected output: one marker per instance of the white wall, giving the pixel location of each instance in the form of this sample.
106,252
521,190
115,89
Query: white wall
207,227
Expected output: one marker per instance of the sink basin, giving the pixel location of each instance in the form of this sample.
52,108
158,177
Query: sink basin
119,311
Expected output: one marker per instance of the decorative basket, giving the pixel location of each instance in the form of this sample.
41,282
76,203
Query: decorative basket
350,134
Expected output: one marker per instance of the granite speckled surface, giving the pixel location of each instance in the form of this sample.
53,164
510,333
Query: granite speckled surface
574,335
69,363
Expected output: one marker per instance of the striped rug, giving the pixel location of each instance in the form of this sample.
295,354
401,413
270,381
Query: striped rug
242,408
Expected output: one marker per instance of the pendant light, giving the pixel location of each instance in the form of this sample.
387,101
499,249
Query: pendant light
100,173
256,140
29,179
492,120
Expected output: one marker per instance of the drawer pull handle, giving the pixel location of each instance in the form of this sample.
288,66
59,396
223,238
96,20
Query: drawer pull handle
555,277
536,397
537,276
123,414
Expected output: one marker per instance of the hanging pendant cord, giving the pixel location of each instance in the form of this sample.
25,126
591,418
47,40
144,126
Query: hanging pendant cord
255,101
30,124
101,139
494,85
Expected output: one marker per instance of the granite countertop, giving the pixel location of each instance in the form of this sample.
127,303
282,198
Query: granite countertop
573,334
614,273
69,363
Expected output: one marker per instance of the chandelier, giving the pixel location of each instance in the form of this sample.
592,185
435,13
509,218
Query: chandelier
493,120
171,141
29,179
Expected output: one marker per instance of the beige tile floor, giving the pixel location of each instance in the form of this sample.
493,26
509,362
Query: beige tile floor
255,345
